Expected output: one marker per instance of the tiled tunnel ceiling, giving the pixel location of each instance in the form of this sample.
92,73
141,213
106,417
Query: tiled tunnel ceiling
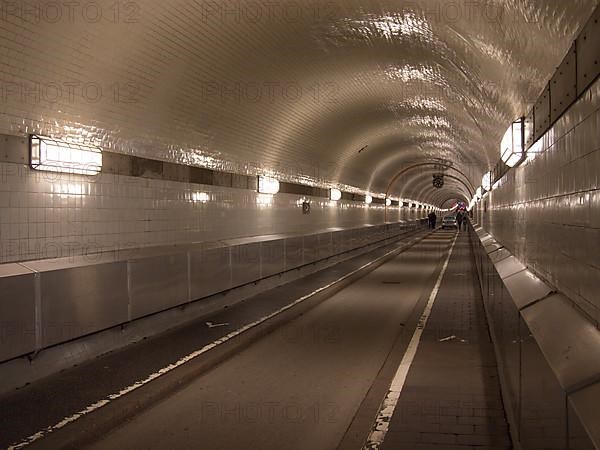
349,92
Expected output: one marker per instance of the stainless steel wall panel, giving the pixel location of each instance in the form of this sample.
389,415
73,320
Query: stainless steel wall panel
589,287
358,239
81,296
389,231
486,239
533,392
588,66
157,283
345,239
493,246
486,288
542,114
593,161
563,85
509,266
364,236
543,416
310,248
373,232
595,213
574,352
339,242
579,438
529,129
210,270
525,288
293,252
17,311
507,335
272,257
325,245
351,240
361,237
585,405
245,263
82,300
499,255
592,238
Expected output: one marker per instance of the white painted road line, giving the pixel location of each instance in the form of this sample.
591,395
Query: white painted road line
387,408
184,360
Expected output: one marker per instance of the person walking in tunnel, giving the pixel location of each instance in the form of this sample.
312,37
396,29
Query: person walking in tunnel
432,220
460,218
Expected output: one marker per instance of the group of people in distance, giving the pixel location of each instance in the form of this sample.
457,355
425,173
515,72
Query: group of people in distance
461,220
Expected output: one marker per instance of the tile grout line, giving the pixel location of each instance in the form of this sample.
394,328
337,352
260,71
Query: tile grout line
388,406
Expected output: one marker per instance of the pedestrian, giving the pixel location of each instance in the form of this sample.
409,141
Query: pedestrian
465,219
432,220
460,219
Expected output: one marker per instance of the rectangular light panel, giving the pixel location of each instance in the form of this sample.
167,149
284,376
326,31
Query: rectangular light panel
511,148
53,155
267,185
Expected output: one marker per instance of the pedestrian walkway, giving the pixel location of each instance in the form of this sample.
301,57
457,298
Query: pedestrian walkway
451,398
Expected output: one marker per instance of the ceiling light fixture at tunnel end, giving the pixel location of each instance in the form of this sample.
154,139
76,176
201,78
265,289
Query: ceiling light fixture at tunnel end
54,155
513,144
267,185
335,194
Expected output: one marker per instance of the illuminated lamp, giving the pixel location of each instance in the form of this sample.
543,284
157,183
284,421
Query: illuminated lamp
53,155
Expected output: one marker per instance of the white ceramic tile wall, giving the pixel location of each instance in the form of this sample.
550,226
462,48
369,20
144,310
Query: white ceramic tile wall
547,211
44,215
185,81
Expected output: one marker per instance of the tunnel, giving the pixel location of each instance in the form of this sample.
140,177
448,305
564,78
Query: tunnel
300,224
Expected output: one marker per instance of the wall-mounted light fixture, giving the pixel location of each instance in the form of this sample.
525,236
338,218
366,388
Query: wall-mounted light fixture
267,185
512,146
306,207
478,193
388,202
54,155
368,199
201,197
335,194
486,181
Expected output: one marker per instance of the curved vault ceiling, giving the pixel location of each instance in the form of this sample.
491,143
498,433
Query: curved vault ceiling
400,83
